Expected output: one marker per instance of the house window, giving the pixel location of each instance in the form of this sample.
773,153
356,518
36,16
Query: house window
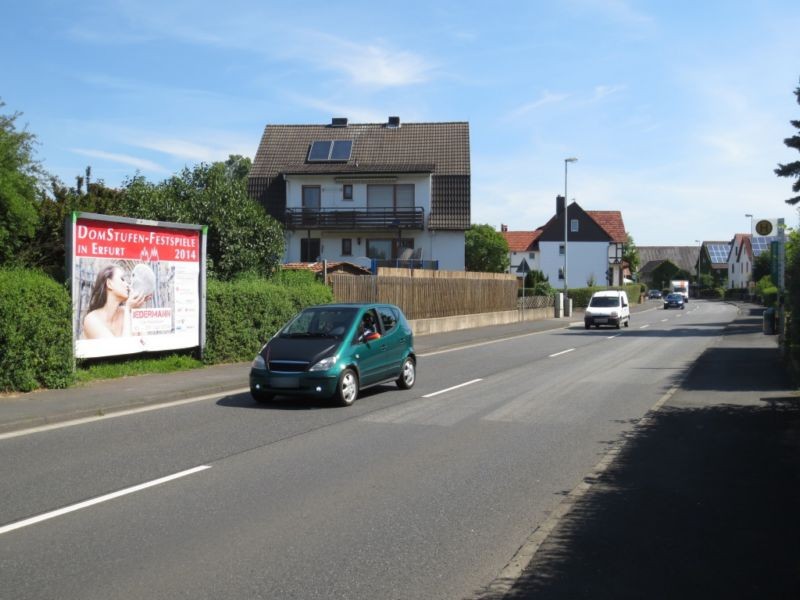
573,225
347,247
561,249
309,249
347,191
531,255
388,248
379,249
390,197
311,197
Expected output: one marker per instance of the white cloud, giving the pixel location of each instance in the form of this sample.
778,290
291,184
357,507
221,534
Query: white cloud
371,64
603,91
125,159
545,99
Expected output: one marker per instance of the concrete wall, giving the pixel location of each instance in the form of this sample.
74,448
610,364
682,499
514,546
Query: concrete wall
443,324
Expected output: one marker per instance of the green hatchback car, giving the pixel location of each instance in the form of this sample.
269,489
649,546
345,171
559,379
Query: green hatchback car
334,351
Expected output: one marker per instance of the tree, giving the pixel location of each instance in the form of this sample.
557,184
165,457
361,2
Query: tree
242,238
539,283
762,265
485,250
792,169
666,272
47,249
630,253
20,177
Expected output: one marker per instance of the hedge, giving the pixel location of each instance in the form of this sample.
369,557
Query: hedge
581,296
35,331
243,314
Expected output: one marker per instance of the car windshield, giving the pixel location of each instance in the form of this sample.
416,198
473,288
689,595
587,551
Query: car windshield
333,322
674,297
604,301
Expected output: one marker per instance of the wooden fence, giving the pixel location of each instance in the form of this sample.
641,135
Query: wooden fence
424,294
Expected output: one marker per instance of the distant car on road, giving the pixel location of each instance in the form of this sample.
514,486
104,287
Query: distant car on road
334,351
654,294
674,301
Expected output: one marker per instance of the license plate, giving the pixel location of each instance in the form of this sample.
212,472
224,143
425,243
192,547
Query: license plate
601,320
285,383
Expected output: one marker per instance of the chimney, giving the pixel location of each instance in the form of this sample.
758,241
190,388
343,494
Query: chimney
503,227
339,122
560,205
393,122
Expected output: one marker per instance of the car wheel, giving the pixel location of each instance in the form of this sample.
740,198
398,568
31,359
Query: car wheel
619,324
586,325
261,397
408,374
628,322
347,388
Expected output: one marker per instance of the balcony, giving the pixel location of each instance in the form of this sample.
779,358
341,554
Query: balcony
397,263
335,219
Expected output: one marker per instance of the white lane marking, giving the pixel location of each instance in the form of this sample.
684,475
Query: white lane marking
611,337
121,413
560,353
644,326
92,502
664,320
450,389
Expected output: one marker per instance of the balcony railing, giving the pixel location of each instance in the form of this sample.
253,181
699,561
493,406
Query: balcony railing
342,219
398,263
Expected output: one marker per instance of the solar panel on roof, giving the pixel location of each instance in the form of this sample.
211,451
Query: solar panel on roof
718,253
341,149
325,150
761,244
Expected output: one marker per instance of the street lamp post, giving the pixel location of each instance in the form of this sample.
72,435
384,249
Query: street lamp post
699,257
751,223
566,222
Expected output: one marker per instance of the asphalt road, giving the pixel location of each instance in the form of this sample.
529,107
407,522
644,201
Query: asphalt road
425,493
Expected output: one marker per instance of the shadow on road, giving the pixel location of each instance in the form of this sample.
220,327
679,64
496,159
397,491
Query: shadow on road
701,503
703,500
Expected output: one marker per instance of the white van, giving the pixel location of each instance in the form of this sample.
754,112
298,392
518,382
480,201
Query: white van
610,307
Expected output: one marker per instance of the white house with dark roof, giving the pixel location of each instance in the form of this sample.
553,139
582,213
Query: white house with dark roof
385,194
595,241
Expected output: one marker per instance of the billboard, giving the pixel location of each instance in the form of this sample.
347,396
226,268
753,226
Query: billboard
137,285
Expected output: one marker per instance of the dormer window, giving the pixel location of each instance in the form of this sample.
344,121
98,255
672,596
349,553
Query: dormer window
330,151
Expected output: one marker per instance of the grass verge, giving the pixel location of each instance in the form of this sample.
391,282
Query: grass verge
142,366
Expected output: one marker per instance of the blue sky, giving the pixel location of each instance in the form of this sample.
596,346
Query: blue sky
677,110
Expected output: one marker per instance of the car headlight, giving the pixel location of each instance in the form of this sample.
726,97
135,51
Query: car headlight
614,314
589,313
259,363
325,363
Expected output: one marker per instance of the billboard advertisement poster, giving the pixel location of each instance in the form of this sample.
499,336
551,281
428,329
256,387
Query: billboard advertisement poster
137,286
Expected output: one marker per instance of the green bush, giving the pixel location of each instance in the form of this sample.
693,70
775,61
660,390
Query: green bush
581,296
769,296
243,314
35,331
712,293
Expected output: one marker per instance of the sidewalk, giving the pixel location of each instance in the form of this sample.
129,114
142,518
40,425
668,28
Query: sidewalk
702,500
44,407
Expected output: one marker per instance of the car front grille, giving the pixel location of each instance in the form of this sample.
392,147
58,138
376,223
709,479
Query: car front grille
288,366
